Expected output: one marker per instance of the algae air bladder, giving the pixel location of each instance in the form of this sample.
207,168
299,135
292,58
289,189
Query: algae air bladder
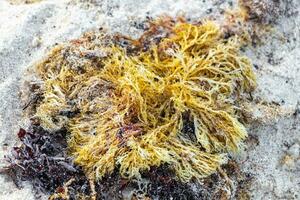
168,97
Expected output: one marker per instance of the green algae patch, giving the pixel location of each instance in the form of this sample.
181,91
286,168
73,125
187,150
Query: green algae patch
128,106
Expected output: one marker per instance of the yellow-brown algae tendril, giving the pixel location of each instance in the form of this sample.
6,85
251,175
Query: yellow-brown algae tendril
130,107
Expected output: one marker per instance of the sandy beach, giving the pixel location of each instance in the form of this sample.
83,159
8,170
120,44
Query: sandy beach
28,30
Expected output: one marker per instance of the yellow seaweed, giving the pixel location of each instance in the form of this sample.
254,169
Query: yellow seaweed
131,107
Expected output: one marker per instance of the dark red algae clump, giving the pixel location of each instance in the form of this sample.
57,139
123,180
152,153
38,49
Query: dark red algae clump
42,160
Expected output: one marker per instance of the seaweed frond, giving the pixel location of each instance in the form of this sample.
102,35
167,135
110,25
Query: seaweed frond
128,111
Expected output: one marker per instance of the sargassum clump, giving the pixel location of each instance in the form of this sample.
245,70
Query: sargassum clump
127,111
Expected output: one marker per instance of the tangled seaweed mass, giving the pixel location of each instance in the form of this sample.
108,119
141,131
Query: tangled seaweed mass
126,104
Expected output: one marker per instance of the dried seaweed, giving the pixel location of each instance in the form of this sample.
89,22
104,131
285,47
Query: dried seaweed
128,108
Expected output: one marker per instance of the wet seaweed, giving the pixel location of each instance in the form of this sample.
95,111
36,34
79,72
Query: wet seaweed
42,159
128,109
115,116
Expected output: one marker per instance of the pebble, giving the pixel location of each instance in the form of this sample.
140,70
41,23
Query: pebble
294,151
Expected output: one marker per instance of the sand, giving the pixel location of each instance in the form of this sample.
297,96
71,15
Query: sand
271,155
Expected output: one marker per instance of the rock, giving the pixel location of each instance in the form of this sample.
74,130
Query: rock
294,151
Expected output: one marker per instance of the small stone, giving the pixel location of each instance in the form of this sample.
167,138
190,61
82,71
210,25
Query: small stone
294,151
36,42
288,162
